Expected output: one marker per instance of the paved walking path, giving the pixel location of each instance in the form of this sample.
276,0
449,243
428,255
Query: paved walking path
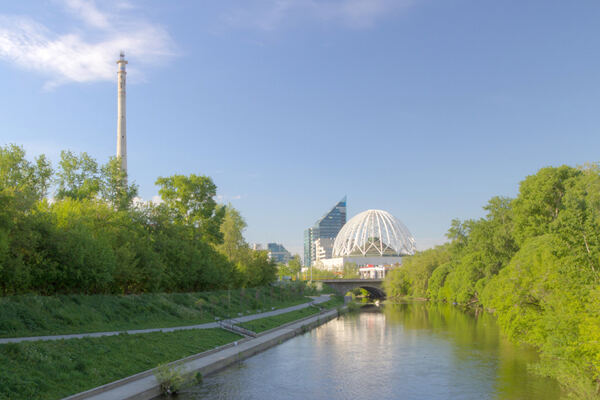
317,300
146,386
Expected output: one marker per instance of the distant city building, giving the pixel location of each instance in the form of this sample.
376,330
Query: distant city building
278,253
323,248
257,246
307,247
327,227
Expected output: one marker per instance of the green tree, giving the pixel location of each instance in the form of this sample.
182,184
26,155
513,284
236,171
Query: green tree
540,200
421,266
78,176
257,269
190,264
234,246
295,265
479,249
89,240
458,234
436,283
397,283
534,261
114,187
283,270
578,224
292,268
29,180
191,201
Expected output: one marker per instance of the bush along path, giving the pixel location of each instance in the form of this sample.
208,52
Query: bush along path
239,319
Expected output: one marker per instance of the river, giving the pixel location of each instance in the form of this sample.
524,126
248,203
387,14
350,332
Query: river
402,351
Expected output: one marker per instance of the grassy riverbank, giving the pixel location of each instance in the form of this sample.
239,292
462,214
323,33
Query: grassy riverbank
55,369
534,261
264,324
34,315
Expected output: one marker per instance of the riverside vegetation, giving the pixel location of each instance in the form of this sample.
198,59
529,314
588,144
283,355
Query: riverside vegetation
55,369
173,378
91,237
534,262
91,257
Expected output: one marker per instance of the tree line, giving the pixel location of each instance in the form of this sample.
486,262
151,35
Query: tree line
533,261
79,228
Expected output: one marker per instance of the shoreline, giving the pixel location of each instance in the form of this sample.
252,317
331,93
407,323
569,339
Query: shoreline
144,386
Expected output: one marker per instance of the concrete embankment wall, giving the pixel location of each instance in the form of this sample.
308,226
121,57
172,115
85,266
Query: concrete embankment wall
270,338
144,386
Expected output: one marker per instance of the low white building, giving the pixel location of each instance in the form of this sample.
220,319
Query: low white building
374,271
337,263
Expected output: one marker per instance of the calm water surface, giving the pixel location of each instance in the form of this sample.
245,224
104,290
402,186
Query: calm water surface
404,351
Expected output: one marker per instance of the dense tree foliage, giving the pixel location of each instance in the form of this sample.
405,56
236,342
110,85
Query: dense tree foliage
91,237
190,201
252,267
414,278
291,269
534,261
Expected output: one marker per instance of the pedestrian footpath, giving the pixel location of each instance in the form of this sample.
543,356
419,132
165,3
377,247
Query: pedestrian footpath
144,386
317,300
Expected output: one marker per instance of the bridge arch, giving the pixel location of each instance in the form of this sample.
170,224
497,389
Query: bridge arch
343,286
374,292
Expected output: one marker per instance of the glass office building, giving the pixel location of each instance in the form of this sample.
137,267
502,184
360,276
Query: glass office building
278,253
307,247
327,227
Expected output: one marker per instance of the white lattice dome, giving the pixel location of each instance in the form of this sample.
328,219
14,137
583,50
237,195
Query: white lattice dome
374,233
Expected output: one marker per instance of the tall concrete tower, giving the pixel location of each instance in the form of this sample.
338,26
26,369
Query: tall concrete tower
121,114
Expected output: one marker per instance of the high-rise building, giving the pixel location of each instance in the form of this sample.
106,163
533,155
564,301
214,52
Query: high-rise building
327,227
307,247
323,248
278,253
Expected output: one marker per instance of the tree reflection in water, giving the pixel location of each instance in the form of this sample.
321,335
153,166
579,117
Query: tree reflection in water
411,350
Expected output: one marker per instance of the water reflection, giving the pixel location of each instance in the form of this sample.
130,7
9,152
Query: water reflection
408,351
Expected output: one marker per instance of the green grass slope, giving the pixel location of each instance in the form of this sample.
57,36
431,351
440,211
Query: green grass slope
33,315
55,369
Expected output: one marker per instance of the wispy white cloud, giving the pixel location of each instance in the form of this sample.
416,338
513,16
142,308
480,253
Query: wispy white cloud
87,52
272,14
88,12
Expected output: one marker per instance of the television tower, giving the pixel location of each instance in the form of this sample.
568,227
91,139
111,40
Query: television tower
121,114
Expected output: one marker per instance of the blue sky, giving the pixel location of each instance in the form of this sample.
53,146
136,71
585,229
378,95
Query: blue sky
423,108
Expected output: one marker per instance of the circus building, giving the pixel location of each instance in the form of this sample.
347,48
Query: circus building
374,241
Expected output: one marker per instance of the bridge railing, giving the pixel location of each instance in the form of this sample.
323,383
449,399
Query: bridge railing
232,325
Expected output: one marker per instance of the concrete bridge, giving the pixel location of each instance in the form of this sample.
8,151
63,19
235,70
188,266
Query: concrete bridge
343,286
